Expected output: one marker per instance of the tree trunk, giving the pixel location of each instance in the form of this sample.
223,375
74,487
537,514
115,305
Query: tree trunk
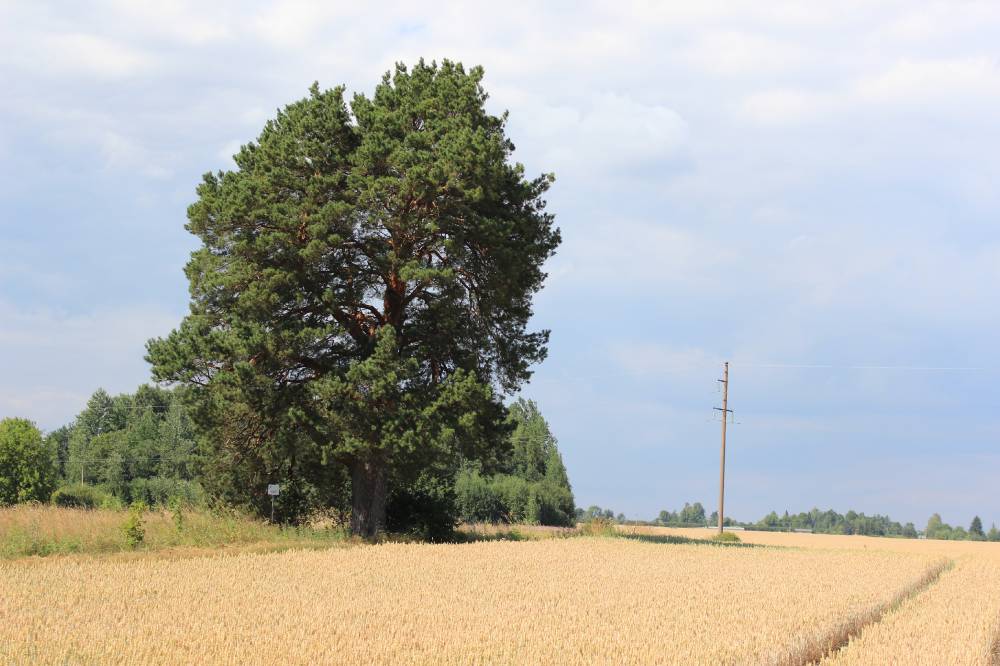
369,491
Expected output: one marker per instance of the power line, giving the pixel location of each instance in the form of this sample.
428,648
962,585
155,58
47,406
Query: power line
830,366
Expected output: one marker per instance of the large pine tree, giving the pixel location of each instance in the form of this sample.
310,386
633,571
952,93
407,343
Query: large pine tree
366,277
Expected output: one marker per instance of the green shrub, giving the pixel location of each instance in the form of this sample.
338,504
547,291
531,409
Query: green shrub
505,498
81,496
555,505
110,502
177,509
425,507
159,491
133,528
477,500
726,537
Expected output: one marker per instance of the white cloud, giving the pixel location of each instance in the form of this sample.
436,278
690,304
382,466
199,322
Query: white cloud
647,255
788,106
87,54
956,87
603,134
736,53
919,82
181,21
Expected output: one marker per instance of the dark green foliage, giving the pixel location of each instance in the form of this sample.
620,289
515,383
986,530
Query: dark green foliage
424,507
78,495
363,287
478,499
531,485
160,491
139,446
532,442
27,465
976,529
504,498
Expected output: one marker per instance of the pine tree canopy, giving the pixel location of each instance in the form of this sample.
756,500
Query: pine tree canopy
365,277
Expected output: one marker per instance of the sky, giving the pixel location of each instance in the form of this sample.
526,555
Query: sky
807,190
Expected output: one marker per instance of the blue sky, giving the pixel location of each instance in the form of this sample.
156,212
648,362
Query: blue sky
776,184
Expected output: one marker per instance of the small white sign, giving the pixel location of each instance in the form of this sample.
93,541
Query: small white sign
273,489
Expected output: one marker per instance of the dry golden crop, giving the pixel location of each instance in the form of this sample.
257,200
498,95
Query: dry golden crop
580,600
955,621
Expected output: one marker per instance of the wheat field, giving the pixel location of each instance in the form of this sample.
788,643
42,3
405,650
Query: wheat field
556,601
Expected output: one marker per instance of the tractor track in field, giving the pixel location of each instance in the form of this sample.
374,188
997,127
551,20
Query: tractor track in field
995,646
842,634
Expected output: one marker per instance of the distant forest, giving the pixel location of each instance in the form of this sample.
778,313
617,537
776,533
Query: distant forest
816,521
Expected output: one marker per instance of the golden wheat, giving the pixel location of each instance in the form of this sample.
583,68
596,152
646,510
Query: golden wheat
956,621
582,600
831,541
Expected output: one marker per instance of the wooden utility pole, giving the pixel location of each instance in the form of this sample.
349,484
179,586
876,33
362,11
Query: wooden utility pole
722,456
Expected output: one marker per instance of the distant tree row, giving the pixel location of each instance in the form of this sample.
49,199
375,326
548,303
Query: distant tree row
131,447
594,512
690,515
831,522
937,529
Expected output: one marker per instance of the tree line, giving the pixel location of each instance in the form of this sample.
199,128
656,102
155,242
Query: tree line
937,529
816,521
145,447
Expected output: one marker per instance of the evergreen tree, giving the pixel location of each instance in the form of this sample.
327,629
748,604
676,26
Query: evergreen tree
532,441
365,280
976,528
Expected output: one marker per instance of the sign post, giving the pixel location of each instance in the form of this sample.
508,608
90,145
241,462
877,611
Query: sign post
273,489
